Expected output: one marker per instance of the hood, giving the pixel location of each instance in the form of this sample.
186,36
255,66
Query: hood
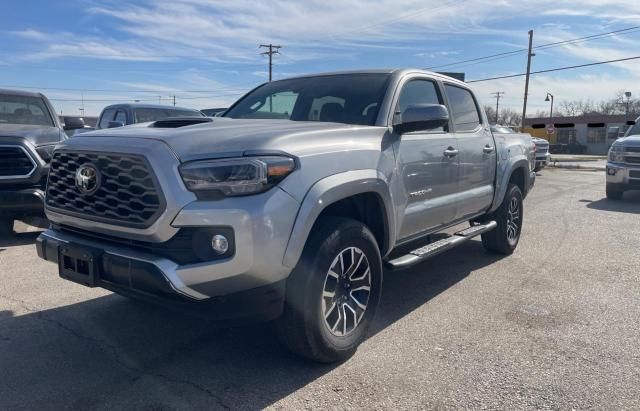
225,136
631,140
36,135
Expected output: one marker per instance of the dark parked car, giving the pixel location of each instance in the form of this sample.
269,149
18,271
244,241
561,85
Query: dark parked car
119,115
29,130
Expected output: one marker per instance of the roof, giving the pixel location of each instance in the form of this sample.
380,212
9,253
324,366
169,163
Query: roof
142,105
20,93
396,71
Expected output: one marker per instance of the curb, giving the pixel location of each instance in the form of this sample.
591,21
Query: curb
576,167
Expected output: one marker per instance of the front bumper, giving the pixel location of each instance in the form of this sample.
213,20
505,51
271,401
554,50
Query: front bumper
21,202
542,159
156,279
624,176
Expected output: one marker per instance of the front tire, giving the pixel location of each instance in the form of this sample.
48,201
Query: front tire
333,292
6,227
509,216
613,193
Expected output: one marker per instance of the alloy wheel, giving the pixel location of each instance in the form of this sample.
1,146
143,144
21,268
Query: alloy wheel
346,291
513,220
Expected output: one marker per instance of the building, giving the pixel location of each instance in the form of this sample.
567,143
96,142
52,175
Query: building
595,132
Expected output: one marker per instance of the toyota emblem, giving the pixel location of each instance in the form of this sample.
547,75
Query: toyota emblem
87,179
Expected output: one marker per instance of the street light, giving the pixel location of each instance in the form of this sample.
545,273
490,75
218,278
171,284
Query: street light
550,98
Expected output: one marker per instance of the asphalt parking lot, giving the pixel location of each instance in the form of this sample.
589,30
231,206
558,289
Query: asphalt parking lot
556,325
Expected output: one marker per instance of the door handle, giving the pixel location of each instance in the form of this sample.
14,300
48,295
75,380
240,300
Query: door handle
488,149
451,152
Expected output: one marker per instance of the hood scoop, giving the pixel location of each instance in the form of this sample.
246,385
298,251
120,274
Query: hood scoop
176,122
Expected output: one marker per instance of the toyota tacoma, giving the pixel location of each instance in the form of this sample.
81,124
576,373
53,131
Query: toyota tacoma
29,131
289,205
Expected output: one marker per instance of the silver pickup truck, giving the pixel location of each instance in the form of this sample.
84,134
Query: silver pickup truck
289,205
623,165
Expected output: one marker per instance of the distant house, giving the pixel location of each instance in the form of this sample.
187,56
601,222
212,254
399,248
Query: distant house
595,131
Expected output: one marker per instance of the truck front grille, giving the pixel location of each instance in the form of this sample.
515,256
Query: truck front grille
15,162
127,192
632,160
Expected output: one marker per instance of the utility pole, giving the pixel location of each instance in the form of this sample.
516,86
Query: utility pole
526,81
498,95
272,50
174,101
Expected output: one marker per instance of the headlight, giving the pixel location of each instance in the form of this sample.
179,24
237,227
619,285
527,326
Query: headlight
46,152
235,177
616,154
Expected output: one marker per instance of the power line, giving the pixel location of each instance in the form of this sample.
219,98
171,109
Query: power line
271,52
498,95
555,69
540,47
230,88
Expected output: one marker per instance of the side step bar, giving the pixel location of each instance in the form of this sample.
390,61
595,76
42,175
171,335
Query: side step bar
440,246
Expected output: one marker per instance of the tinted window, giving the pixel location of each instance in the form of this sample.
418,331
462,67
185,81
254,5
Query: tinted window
107,116
146,114
463,108
344,98
24,110
121,116
634,130
418,92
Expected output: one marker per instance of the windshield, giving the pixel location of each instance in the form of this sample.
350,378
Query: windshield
634,131
144,115
24,110
344,98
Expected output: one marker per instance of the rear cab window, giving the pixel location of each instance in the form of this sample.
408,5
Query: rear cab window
463,108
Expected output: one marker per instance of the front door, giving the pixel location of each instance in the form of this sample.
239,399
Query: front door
428,165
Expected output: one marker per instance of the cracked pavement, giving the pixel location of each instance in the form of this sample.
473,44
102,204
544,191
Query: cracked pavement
553,326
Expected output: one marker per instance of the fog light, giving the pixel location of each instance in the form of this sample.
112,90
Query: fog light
220,244
611,171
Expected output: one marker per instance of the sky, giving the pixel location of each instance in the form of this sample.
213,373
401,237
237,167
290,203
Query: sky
91,53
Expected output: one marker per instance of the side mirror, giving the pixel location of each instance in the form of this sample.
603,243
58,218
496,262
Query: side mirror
73,123
114,124
422,117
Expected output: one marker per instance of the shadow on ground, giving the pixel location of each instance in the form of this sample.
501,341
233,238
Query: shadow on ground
111,352
17,239
630,203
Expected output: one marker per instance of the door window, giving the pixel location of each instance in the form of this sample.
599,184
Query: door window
107,116
463,108
121,116
418,92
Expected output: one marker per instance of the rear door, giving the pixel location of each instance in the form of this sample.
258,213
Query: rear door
429,176
477,158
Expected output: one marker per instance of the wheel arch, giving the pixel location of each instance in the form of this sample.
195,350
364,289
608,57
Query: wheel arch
516,172
362,194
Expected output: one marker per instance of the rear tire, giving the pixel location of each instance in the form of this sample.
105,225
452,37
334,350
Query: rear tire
6,227
509,216
614,194
333,292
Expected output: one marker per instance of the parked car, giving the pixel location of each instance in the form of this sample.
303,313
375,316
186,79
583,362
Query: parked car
288,206
623,165
118,115
213,112
73,125
29,130
541,146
